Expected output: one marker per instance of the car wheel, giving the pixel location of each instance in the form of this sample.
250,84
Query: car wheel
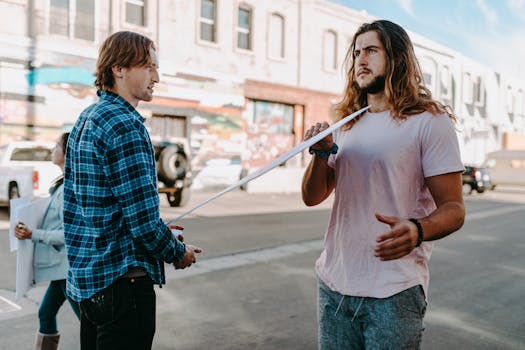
480,190
179,198
172,165
467,189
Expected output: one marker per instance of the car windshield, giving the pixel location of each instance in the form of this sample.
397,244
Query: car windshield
38,154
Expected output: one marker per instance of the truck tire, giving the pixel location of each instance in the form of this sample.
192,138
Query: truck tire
172,165
179,198
13,193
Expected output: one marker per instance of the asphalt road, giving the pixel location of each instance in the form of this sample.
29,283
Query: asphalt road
255,286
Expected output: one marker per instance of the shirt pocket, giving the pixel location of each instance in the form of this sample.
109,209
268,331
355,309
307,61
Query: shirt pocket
48,255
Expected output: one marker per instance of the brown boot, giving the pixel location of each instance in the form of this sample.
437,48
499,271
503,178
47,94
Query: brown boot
46,341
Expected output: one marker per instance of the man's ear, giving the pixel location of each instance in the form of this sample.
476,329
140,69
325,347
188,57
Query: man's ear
118,71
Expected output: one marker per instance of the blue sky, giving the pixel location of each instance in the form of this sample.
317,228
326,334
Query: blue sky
489,31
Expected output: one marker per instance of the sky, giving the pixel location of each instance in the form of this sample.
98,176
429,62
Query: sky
489,31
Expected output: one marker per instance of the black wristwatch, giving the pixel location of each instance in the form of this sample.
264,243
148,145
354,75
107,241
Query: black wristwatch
419,231
324,154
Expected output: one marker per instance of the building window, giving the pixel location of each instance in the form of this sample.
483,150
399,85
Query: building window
478,92
521,103
270,117
59,17
72,18
430,73
244,28
207,20
510,101
468,94
445,83
276,37
330,50
85,20
136,12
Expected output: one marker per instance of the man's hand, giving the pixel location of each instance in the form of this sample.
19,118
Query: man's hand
189,258
22,231
399,241
180,237
324,144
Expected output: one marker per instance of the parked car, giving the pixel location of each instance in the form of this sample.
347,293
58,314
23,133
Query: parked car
174,170
475,179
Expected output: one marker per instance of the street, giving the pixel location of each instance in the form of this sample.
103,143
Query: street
255,286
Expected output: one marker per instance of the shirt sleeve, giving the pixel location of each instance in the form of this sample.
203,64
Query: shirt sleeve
131,170
55,236
439,147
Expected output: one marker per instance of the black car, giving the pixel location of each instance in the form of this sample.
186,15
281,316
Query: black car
475,179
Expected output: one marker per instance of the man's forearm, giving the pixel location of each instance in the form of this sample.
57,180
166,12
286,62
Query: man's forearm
446,219
318,181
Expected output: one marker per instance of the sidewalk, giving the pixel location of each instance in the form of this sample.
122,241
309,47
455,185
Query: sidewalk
239,202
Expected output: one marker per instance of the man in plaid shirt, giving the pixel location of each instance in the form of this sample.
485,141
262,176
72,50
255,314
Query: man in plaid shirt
116,242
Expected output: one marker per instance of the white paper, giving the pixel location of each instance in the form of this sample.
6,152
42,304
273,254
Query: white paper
31,215
275,163
14,204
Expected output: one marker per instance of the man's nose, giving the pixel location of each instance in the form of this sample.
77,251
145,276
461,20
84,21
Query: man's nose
156,76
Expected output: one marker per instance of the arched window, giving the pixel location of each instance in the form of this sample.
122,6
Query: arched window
276,36
330,50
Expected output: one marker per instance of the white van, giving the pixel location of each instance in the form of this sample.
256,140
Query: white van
506,167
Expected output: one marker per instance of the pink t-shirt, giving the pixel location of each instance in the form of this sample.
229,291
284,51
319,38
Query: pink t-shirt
381,167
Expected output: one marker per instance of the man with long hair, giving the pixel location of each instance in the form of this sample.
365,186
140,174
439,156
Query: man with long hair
396,172
116,242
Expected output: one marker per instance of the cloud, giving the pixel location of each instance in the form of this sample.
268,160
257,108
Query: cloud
488,49
490,14
406,5
517,7
516,4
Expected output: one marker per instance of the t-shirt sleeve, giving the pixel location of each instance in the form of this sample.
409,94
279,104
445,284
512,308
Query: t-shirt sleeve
439,147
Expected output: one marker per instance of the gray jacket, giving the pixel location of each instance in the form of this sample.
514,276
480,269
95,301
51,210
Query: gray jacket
50,260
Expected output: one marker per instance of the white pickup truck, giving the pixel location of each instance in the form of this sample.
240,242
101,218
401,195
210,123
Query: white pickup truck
26,168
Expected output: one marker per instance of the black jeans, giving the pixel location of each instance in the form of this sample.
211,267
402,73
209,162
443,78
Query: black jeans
121,316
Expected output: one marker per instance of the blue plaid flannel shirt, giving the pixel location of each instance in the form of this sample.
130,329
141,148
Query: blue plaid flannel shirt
111,205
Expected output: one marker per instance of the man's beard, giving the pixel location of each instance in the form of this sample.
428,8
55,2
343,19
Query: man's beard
375,86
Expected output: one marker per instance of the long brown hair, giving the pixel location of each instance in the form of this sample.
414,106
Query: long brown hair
124,49
404,87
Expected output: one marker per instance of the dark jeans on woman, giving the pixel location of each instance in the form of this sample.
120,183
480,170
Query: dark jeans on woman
53,300
122,316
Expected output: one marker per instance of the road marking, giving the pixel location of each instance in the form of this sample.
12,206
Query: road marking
7,305
463,323
245,258
494,212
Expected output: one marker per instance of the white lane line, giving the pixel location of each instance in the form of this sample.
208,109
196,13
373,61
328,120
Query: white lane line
243,259
494,212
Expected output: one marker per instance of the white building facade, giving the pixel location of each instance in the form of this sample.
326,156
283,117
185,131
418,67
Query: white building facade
240,79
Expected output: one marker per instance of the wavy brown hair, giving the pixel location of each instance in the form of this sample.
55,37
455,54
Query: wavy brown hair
123,49
404,88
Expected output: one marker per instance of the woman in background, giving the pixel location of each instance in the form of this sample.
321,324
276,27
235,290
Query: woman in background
50,260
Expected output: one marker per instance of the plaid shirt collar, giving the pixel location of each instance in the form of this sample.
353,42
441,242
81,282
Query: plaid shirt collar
112,97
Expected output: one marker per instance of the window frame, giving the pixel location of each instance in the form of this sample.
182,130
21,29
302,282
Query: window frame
142,3
214,24
249,31
71,25
282,49
332,67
